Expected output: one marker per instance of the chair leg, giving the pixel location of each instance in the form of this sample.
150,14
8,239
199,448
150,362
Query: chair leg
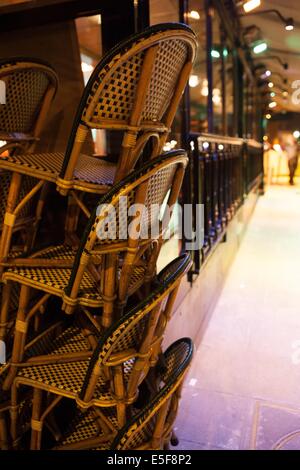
19,337
9,218
3,432
6,292
109,290
174,439
36,423
38,215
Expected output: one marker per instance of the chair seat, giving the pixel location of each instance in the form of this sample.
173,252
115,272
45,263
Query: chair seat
53,341
84,426
47,166
54,280
67,379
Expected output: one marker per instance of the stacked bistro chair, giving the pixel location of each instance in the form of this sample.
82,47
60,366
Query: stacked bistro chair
104,271
108,378
149,428
135,89
30,86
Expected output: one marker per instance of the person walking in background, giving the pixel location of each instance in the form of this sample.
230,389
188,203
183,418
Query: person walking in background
291,149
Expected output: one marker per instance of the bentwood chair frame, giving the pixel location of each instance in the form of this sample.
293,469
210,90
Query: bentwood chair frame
136,89
149,428
104,272
30,86
117,366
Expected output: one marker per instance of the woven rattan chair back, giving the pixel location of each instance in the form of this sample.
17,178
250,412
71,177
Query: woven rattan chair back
136,89
151,427
29,87
125,351
120,237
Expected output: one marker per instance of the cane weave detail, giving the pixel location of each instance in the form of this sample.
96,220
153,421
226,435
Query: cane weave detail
176,359
171,56
27,185
53,342
88,169
25,90
84,425
119,93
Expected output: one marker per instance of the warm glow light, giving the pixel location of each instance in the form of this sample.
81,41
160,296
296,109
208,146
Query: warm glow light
221,147
268,116
216,96
289,24
194,81
250,5
169,145
261,47
265,138
86,67
273,104
285,93
270,84
296,134
194,15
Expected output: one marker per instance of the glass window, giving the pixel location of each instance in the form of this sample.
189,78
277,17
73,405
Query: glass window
198,78
217,66
90,44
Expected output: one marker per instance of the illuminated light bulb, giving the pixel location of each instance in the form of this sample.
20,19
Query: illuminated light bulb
205,145
251,5
296,134
194,15
273,104
215,54
270,84
268,116
261,47
194,81
289,24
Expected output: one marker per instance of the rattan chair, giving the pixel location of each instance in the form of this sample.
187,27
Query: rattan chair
105,270
117,366
135,89
148,429
30,86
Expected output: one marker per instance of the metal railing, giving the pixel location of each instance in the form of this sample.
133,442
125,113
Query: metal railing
222,172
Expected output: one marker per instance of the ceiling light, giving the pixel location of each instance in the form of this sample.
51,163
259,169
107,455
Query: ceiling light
268,116
289,26
273,104
215,54
194,15
270,84
250,5
261,47
296,134
194,81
